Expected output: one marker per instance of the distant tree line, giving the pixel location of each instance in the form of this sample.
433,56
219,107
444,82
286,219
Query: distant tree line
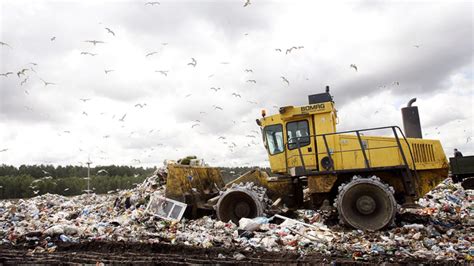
32,180
39,171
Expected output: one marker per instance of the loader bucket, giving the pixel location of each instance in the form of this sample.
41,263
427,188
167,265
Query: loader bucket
184,181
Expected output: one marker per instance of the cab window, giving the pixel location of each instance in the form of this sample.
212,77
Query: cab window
274,138
298,130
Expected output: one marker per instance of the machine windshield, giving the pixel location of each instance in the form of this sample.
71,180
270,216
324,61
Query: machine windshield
274,138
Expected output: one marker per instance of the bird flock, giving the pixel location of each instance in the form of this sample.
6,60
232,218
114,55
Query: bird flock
28,73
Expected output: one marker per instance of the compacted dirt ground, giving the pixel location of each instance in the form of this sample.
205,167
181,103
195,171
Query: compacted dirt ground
139,253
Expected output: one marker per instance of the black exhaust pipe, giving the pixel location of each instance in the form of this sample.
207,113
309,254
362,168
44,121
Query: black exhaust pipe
411,120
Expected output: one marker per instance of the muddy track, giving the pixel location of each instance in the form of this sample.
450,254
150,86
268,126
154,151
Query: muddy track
140,253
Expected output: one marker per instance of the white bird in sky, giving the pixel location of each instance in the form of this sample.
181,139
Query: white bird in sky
110,31
152,3
247,2
236,95
46,83
285,80
248,70
107,71
123,118
53,38
5,44
252,81
215,89
140,105
6,74
150,54
94,42
354,67
85,100
23,81
3,150
195,125
218,108
163,72
193,63
22,72
87,53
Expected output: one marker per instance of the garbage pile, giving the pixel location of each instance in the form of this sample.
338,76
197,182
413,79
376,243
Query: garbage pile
44,221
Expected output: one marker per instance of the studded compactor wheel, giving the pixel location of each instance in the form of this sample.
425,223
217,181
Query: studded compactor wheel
366,203
243,200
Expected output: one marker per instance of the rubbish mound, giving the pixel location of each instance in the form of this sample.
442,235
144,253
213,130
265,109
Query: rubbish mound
40,223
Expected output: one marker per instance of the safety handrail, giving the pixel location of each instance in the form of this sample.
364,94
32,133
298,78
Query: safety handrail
362,148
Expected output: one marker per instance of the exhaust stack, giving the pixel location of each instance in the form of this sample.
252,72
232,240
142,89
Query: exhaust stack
411,120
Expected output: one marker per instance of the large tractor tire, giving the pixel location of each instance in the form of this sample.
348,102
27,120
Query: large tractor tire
241,201
366,204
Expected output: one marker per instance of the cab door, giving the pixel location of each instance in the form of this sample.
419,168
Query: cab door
275,145
301,131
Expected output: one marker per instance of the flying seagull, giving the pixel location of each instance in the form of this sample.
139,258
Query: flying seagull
248,70
193,63
354,67
47,83
5,44
84,113
85,100
22,72
24,81
140,105
278,49
187,95
107,71
87,53
53,38
290,49
163,72
252,81
110,31
102,171
94,42
195,125
6,74
215,89
217,108
236,95
123,118
152,3
3,150
150,54
285,80
247,2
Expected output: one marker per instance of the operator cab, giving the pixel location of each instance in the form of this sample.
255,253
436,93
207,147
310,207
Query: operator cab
289,137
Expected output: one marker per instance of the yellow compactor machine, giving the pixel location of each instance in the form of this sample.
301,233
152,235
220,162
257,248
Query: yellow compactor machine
365,173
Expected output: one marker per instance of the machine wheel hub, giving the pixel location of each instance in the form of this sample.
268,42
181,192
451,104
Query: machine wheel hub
242,200
366,203
242,209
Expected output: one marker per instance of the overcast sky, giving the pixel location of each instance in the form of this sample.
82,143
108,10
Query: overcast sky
401,49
